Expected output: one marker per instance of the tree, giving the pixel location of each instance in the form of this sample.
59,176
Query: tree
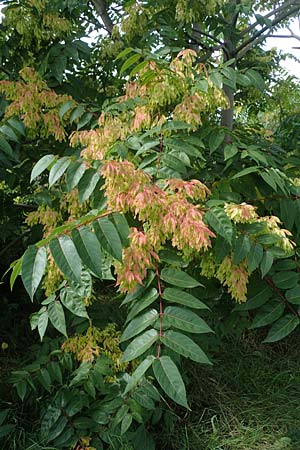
155,181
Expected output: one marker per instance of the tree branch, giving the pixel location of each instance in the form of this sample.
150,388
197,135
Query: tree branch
101,8
270,14
259,34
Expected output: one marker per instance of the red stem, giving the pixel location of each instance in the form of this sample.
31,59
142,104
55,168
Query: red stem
160,310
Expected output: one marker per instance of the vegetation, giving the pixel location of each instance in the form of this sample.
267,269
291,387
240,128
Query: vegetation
150,199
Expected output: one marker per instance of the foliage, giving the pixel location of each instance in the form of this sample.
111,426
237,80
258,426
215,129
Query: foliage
147,182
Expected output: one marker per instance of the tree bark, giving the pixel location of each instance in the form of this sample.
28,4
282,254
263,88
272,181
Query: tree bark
101,8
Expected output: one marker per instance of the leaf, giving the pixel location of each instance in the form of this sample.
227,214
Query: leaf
43,323
41,165
88,248
34,263
74,174
230,151
293,295
285,279
138,373
185,319
268,314
66,257
246,171
170,380
73,302
215,140
287,212
6,147
17,267
21,389
182,344
139,345
108,237
76,113
130,61
261,296
9,132
178,278
85,119
147,299
122,227
266,263
220,222
255,256
139,324
44,378
58,169
87,184
282,328
178,296
242,248
126,422
17,125
57,317
66,107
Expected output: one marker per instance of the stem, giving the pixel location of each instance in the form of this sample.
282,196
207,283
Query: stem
281,296
160,310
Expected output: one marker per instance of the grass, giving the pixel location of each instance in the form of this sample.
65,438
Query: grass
249,400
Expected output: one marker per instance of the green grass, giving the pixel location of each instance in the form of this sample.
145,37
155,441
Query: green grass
249,400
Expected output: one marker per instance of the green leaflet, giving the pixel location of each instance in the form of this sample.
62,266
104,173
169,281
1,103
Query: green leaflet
41,165
260,297
108,237
66,257
178,278
266,263
43,323
139,324
34,263
76,113
255,256
73,302
268,314
66,107
170,380
88,248
139,345
126,422
220,222
185,346
293,295
74,174
57,317
177,296
242,248
87,184
122,227
282,328
285,279
185,319
16,270
139,372
147,299
58,169
130,61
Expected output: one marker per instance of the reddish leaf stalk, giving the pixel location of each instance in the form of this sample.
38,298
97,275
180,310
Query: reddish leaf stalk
160,310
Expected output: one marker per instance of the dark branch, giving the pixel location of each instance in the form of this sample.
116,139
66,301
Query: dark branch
260,34
270,14
101,8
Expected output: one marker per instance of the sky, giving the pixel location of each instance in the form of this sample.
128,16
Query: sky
286,45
